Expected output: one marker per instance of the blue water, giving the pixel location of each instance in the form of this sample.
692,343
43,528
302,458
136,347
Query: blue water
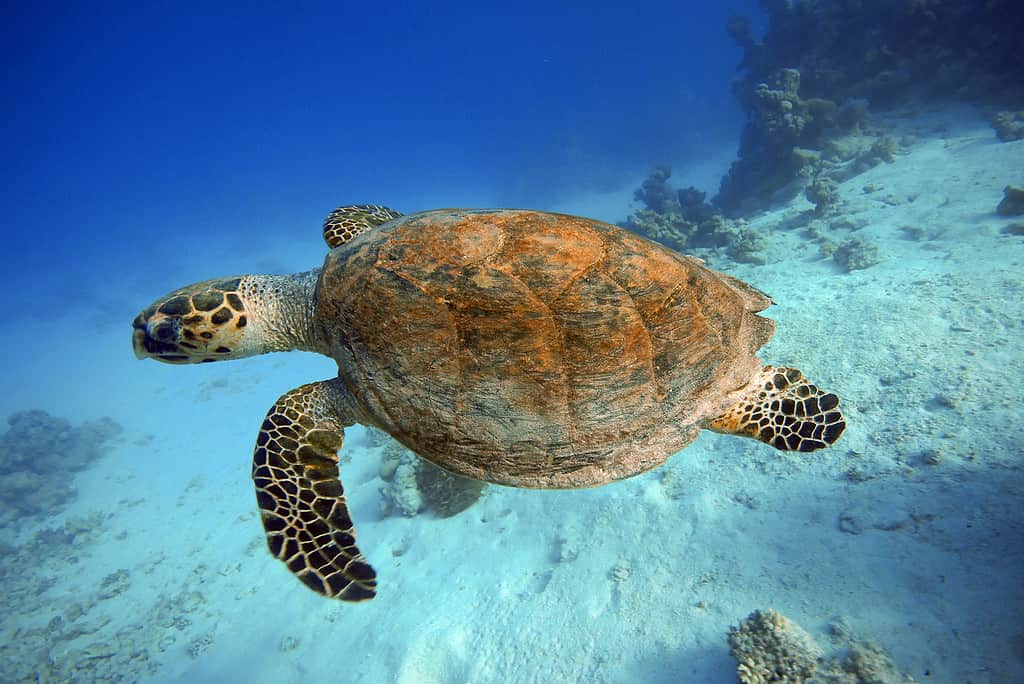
150,127
149,145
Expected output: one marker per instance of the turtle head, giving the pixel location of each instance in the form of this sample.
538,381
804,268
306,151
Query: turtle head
204,322
230,318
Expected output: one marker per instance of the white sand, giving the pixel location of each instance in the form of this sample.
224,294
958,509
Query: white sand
636,581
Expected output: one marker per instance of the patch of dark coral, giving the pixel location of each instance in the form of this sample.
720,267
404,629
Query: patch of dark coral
820,62
446,494
1012,203
414,485
887,51
856,254
656,194
39,452
1009,126
684,221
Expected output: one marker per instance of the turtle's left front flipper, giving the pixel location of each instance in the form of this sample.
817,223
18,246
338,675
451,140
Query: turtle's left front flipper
302,503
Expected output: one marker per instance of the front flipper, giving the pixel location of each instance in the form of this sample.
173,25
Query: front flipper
302,503
344,223
783,408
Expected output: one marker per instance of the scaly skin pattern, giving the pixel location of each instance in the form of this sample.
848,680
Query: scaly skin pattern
783,408
301,500
345,223
182,327
228,318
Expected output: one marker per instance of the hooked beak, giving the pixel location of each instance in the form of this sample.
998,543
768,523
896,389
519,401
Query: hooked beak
157,340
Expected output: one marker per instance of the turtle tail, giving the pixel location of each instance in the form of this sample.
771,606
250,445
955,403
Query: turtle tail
783,408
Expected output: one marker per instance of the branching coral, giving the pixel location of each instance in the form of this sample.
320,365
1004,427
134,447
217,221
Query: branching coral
686,221
769,648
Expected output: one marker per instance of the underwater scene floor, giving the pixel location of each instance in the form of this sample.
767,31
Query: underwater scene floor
906,535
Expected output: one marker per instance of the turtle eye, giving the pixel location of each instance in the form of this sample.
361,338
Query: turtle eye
165,330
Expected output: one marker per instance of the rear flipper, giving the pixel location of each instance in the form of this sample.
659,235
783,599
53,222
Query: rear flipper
783,408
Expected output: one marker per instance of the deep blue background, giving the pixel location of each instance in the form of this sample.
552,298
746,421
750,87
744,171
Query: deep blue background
134,127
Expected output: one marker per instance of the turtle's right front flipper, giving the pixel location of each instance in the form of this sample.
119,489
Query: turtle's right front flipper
302,503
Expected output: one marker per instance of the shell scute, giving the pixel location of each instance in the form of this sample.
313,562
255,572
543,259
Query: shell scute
534,349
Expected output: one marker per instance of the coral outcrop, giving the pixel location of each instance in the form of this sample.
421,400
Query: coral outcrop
856,254
684,221
823,194
446,494
888,51
811,77
39,451
1009,125
778,144
864,663
656,194
681,220
771,649
414,485
1012,203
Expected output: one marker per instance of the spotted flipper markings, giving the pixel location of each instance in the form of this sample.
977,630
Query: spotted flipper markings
783,408
301,500
345,223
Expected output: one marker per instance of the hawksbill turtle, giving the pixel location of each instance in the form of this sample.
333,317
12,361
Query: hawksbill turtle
522,348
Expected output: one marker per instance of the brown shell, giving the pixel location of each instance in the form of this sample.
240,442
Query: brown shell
534,349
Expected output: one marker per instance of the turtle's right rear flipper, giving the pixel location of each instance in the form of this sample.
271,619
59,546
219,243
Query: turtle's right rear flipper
302,503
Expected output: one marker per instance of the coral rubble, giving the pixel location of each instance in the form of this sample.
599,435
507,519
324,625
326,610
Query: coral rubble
38,452
57,637
769,648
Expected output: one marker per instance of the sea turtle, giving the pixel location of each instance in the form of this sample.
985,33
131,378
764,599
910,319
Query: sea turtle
516,347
